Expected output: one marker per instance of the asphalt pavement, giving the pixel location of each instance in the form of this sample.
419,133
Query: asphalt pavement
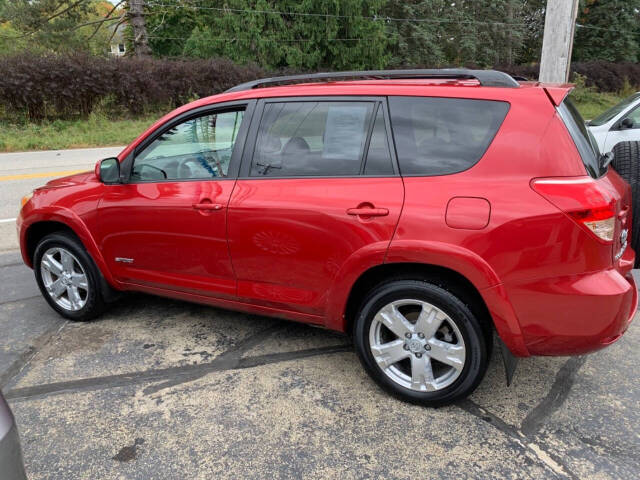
21,172
162,389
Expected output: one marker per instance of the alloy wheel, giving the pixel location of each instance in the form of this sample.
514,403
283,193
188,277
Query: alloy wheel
417,345
64,279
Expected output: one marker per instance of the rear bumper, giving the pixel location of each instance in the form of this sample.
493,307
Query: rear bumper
575,314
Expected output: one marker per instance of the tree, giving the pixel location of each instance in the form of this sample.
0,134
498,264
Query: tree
608,30
533,16
417,42
140,38
170,26
48,24
303,35
486,33
54,25
322,34
71,25
461,32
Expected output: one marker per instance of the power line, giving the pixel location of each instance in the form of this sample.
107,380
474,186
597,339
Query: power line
277,39
591,27
365,17
378,18
374,18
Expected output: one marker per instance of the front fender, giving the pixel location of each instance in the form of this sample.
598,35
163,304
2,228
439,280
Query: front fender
56,213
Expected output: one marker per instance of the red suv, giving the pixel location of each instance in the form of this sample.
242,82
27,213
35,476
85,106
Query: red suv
418,210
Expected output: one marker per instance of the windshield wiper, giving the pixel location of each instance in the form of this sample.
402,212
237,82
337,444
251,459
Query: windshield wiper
606,159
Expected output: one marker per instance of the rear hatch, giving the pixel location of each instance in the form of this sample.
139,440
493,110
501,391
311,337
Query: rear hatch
600,203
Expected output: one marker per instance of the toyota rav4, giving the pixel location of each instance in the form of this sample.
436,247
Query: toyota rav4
420,211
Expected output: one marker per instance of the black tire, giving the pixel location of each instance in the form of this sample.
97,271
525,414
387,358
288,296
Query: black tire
626,160
477,354
627,163
94,302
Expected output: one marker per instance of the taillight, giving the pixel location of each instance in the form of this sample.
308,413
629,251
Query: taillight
599,221
589,204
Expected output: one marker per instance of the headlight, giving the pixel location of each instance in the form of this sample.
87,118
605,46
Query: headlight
26,198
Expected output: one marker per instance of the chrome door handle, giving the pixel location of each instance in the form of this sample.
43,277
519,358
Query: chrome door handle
368,212
207,206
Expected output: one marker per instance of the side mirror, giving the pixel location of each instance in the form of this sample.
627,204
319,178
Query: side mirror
626,123
108,170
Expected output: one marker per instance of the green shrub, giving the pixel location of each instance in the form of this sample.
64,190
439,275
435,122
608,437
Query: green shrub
71,86
605,76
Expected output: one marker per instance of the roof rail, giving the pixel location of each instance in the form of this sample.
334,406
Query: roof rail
487,78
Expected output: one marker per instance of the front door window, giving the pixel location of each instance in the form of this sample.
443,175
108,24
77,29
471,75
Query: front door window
199,148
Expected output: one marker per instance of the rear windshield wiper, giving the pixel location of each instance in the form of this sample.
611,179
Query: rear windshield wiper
606,159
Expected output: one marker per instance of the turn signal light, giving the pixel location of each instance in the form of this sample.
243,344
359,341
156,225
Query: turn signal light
599,221
583,199
25,199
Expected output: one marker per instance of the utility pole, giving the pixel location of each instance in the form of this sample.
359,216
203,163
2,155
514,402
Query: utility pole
557,43
140,39
509,33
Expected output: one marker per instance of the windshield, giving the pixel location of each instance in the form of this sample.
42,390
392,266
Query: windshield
582,137
607,115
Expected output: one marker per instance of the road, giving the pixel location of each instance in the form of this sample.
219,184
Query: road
21,172
163,389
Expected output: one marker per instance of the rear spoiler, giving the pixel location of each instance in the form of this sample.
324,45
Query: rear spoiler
557,92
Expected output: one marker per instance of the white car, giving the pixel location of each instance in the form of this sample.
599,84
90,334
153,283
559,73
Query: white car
620,123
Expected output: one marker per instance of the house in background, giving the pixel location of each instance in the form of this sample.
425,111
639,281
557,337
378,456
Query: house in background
118,46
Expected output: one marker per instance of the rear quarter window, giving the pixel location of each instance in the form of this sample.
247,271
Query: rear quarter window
582,137
441,136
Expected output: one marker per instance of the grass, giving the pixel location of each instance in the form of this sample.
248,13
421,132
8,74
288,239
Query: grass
591,104
100,131
95,131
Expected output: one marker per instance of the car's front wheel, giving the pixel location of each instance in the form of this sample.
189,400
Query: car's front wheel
420,342
67,277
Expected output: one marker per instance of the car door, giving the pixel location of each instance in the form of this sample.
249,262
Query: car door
165,226
318,189
626,129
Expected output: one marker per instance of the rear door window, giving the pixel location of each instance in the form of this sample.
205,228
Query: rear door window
314,138
440,136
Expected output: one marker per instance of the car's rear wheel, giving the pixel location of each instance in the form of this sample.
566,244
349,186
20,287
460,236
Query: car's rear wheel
68,277
420,342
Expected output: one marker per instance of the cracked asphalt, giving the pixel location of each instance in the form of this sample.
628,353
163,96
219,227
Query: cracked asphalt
161,389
